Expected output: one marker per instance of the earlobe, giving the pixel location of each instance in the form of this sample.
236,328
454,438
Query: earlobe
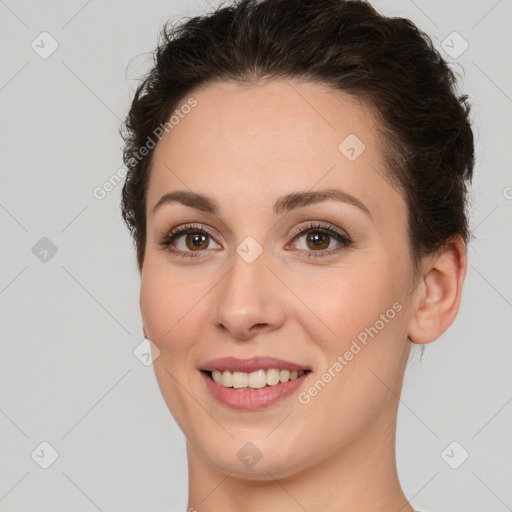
439,293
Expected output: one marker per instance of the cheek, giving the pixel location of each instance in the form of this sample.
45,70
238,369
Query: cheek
344,304
359,326
169,307
174,306
360,363
163,302
153,306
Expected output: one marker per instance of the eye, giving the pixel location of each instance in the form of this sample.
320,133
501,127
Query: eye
196,239
319,237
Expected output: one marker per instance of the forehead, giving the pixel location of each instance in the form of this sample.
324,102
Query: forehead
278,116
261,141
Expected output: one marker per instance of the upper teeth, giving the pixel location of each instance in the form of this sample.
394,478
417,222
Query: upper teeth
257,379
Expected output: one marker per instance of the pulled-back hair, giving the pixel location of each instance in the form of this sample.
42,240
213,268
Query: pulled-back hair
387,63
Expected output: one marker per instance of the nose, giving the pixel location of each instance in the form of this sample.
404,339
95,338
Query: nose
249,300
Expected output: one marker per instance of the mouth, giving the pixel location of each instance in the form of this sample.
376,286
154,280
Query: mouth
251,384
262,378
253,391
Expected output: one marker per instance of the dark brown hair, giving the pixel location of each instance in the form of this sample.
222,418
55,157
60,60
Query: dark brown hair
387,63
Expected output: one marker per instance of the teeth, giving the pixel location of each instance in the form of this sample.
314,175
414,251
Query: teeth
272,377
256,380
240,380
284,375
226,378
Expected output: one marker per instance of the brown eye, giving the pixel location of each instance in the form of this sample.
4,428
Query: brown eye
187,241
317,240
196,241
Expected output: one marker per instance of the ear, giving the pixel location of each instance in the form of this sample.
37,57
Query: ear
438,294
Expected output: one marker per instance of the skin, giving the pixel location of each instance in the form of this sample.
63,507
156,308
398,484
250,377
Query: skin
245,146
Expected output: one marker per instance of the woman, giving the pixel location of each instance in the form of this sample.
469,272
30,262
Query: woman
296,191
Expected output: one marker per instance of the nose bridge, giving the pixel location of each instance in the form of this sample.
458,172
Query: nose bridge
247,296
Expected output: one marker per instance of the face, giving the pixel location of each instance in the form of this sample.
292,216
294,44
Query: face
319,281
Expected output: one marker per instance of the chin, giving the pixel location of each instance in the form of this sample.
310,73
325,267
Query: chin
254,457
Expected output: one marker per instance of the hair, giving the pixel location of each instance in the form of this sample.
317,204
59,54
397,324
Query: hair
386,63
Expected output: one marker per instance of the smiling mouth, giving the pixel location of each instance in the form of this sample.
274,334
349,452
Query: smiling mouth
254,380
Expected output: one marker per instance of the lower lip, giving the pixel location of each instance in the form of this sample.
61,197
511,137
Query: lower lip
252,399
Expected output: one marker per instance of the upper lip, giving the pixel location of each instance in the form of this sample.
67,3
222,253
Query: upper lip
234,364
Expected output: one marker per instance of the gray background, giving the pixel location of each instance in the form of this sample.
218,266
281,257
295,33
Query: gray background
69,325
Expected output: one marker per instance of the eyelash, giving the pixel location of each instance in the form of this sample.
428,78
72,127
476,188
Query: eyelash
169,238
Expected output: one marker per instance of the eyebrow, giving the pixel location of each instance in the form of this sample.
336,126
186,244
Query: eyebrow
285,203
